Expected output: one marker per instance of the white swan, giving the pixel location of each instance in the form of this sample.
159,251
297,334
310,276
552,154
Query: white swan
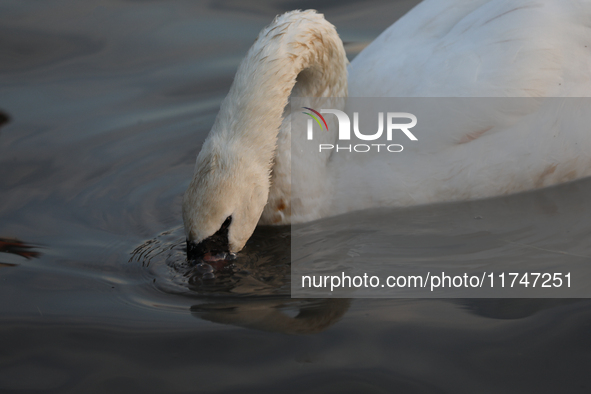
469,48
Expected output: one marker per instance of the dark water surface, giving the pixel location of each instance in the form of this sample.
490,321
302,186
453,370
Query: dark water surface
103,107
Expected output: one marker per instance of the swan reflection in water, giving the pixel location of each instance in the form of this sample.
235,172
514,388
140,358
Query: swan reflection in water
253,292
285,315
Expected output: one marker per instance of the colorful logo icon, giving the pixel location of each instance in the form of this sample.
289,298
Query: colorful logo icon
315,118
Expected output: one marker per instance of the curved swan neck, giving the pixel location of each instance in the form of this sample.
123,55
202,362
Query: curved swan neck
234,167
297,47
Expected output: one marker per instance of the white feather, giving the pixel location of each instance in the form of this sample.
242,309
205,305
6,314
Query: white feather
453,48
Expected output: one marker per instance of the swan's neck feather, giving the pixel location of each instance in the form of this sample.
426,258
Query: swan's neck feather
296,44
298,54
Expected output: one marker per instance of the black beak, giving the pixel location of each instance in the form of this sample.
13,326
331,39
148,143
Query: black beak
216,244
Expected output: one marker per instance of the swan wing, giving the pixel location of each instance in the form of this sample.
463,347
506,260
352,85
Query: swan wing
478,148
480,48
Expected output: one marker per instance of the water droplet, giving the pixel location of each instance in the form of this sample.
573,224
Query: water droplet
477,217
208,275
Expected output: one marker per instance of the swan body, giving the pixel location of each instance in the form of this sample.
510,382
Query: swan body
457,48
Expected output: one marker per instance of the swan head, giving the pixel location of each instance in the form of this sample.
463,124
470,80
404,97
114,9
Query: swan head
225,198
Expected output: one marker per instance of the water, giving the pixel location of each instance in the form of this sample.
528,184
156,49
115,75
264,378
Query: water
544,231
103,107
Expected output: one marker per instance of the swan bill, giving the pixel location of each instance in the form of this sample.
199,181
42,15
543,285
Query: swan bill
214,248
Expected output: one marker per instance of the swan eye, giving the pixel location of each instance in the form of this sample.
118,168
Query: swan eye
226,223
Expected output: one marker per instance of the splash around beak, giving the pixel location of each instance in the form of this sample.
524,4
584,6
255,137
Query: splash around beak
207,250
208,258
